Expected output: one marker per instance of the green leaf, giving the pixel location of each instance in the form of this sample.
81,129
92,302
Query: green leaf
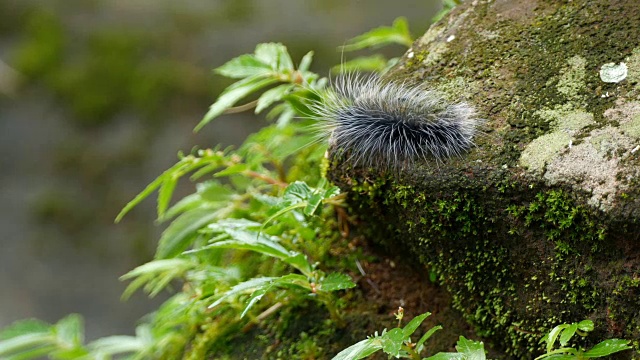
113,345
178,236
568,333
165,193
213,191
398,33
272,95
284,211
149,189
359,350
607,348
232,170
585,325
297,191
446,356
25,342
244,66
426,336
300,262
158,266
274,54
392,341
312,205
249,285
306,62
233,94
293,280
253,299
559,352
70,330
413,325
553,335
370,63
249,240
336,281
23,327
472,350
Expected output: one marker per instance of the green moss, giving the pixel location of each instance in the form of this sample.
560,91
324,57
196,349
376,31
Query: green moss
515,268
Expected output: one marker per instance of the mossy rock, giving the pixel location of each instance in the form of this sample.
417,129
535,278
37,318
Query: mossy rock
537,225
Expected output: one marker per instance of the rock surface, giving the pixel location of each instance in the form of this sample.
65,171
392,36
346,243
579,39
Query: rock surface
538,225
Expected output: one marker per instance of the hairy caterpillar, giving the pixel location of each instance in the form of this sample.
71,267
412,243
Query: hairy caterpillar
390,125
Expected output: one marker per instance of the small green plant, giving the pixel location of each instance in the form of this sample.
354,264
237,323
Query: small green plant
397,343
565,332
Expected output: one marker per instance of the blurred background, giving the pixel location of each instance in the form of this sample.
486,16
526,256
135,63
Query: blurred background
96,99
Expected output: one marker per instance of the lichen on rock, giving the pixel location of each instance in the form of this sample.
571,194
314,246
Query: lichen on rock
537,225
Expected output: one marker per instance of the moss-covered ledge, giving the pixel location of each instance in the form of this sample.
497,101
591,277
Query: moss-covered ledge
539,224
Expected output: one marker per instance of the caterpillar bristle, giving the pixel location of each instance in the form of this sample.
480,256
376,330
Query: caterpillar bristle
391,125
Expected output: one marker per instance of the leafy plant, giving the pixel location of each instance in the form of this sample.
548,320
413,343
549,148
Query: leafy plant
565,332
397,343
397,33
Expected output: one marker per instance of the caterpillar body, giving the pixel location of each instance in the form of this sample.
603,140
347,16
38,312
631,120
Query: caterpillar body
390,125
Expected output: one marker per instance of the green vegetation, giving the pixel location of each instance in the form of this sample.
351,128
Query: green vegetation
397,343
563,333
255,239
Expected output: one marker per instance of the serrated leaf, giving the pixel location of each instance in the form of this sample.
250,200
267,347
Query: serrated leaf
568,333
246,286
472,350
178,236
283,211
244,240
312,204
253,299
272,95
413,325
275,55
244,66
233,94
391,341
607,348
336,281
297,190
359,350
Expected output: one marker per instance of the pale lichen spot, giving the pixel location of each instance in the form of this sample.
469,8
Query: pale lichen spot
543,149
613,73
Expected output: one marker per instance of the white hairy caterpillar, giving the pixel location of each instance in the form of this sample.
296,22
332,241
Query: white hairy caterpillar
390,125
